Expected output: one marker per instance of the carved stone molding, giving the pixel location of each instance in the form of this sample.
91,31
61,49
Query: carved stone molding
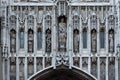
12,60
30,60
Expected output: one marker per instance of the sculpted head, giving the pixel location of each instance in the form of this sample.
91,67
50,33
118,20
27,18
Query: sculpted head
62,19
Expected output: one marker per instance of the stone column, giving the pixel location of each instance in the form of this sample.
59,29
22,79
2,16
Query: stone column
3,69
118,38
107,67
98,66
106,41
89,37
43,44
26,48
116,68
70,39
35,43
54,38
80,35
17,49
98,37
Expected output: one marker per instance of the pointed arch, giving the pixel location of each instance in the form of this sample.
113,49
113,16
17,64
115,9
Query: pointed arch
74,73
39,38
84,37
102,38
21,37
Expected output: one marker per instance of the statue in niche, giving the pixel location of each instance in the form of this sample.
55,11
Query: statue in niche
94,41
111,41
13,41
62,35
30,42
76,41
48,40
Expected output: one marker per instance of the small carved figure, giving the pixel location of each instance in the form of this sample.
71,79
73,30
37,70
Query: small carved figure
30,41
111,41
62,35
48,41
13,41
76,41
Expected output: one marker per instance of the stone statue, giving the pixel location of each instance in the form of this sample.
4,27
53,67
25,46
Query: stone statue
13,40
111,41
62,35
48,41
94,41
30,42
76,41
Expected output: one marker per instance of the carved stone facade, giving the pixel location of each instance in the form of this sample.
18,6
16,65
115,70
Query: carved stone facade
37,35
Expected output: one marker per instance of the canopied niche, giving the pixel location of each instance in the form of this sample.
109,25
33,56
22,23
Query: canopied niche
102,68
76,40
62,33
111,40
111,68
13,68
48,41
30,40
93,41
13,41
21,68
30,66
94,70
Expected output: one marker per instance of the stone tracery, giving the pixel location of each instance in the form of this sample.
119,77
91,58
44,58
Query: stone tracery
68,30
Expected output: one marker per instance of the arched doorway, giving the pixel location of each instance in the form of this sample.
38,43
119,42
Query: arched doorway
62,73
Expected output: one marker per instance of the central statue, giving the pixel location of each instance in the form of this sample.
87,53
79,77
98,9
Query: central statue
62,35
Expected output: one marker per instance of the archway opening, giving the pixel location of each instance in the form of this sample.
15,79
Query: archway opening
62,73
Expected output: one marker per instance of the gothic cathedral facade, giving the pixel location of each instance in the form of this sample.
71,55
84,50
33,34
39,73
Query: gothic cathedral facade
60,39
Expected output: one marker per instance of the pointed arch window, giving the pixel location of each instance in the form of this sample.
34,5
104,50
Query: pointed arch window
30,40
13,41
84,36
102,38
21,38
39,38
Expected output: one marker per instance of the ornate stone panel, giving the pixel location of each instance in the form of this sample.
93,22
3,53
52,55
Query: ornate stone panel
102,69
39,63
94,66
13,68
111,68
